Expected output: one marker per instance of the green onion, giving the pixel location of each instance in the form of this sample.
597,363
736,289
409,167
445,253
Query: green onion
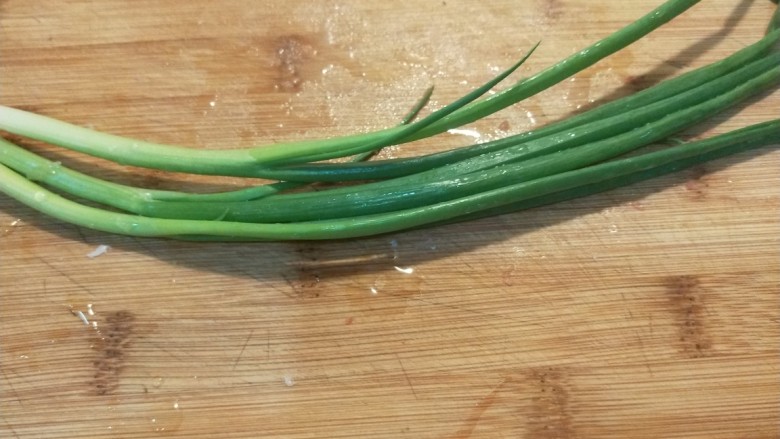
398,167
421,189
592,142
572,158
252,162
47,202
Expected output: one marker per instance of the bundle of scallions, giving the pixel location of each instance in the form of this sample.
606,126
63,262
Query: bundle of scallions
575,157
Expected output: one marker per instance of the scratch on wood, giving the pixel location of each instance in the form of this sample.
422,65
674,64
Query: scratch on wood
141,243
167,351
267,284
627,305
243,348
644,353
11,386
80,232
66,275
267,345
10,427
406,375
470,423
459,308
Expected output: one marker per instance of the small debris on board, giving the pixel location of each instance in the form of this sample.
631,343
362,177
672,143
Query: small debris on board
98,251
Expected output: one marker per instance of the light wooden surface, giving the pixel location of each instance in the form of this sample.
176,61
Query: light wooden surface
647,312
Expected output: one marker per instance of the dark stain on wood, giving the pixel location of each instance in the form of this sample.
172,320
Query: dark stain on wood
553,9
639,82
154,179
687,298
697,184
112,341
635,83
291,54
549,415
308,273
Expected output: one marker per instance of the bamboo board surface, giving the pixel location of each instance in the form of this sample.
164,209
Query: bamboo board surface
645,312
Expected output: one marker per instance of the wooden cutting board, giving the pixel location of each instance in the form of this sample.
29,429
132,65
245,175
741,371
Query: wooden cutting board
646,312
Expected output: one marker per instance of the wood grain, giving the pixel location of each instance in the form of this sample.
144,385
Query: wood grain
646,312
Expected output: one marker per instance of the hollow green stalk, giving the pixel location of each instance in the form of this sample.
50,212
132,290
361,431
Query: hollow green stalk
383,169
481,174
251,162
386,196
37,197
56,175
772,136
418,106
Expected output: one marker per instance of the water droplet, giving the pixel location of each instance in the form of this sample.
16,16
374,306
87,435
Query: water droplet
404,270
474,134
127,225
394,246
613,228
531,117
39,197
289,381
54,167
81,316
167,418
374,291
